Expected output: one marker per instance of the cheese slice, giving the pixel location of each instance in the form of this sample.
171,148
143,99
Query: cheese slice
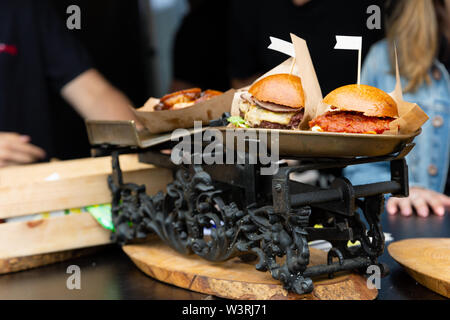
254,115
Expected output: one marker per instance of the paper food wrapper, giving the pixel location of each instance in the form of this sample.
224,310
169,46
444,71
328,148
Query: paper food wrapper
169,120
302,67
411,116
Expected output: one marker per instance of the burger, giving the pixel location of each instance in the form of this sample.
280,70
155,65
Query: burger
185,98
274,102
356,109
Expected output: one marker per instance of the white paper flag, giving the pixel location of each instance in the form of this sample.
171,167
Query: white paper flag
348,43
282,46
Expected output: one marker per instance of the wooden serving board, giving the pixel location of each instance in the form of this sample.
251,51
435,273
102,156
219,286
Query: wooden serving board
235,279
426,260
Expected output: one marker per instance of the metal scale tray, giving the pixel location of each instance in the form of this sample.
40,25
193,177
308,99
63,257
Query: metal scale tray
291,143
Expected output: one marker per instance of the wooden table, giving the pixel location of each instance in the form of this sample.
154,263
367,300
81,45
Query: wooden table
110,274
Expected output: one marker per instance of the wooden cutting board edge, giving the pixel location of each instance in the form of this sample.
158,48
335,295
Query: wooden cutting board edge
343,287
431,283
434,284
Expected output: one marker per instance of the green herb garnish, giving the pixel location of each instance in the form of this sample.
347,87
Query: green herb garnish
238,122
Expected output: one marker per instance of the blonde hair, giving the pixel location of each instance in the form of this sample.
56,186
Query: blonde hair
414,28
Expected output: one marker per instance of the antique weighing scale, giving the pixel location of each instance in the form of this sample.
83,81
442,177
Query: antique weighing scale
222,211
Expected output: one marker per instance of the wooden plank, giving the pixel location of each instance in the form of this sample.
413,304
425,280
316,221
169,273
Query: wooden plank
16,264
427,260
24,190
235,279
74,231
19,175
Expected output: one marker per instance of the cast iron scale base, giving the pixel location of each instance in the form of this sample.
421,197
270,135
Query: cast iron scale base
222,211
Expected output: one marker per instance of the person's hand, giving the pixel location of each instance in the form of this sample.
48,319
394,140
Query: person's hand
421,200
16,149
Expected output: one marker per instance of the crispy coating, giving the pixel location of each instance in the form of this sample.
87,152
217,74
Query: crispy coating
351,122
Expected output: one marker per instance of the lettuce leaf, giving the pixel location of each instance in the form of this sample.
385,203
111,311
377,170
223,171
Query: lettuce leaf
238,122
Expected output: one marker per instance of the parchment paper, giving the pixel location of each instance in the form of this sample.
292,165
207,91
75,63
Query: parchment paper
411,116
169,120
302,68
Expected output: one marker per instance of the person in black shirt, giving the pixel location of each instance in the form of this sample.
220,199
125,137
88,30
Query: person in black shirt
200,53
112,34
37,57
223,43
316,21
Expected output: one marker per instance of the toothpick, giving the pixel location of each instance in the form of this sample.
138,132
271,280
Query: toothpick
359,66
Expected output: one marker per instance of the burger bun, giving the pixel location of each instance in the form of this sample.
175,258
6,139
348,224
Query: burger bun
282,89
370,101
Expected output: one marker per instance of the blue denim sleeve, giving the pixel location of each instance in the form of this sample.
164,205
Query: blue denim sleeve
370,68
368,173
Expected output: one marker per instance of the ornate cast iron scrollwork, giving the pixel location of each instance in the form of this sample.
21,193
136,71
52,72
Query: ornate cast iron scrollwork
282,236
196,215
370,237
192,217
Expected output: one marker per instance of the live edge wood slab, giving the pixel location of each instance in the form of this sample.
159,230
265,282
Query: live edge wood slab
235,279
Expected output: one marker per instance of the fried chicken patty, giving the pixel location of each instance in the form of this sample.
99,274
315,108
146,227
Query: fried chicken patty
350,122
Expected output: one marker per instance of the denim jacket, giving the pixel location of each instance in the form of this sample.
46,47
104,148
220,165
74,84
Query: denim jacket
428,162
